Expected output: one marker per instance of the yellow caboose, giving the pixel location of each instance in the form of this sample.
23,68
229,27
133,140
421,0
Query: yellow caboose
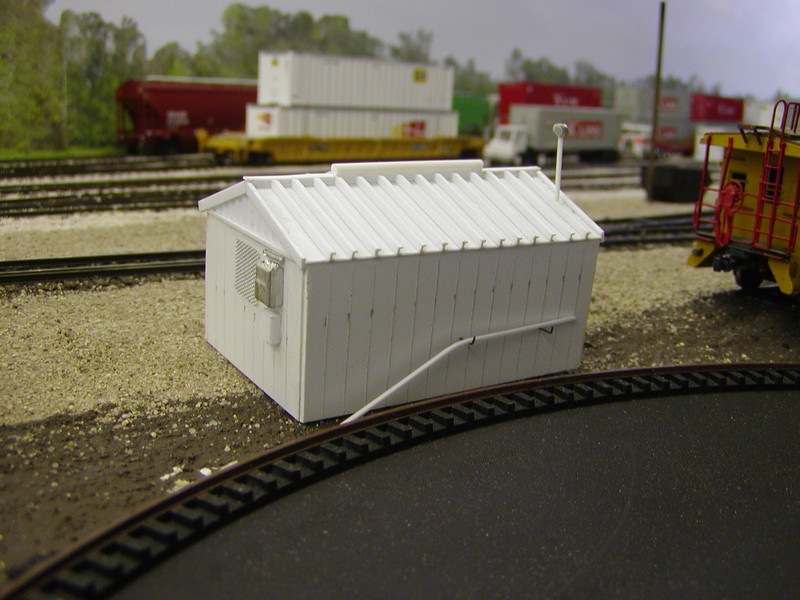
747,223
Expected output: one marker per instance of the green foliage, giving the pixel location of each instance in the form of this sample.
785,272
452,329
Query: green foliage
467,78
520,68
333,35
413,47
30,90
171,60
98,56
249,30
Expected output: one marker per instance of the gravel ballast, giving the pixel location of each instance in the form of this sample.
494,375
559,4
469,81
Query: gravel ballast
112,397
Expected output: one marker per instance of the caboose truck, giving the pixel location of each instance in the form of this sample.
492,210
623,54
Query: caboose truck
748,222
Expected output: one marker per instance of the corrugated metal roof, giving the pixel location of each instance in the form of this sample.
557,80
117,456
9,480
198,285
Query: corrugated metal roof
365,210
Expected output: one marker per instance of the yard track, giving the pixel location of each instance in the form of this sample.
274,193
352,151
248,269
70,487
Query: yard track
183,186
84,267
670,229
143,553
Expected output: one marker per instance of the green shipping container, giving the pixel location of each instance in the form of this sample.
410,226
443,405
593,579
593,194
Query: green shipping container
473,112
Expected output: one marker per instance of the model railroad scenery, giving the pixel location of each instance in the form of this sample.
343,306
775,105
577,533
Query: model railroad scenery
343,330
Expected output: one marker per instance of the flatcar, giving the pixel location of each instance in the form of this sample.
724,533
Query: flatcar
161,114
746,223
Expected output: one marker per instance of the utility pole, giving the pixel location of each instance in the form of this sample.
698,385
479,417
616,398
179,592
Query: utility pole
656,103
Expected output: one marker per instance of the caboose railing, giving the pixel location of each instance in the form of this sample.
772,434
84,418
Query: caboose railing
764,220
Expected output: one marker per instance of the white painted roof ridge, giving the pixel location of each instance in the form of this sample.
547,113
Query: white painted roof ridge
369,210
222,196
372,170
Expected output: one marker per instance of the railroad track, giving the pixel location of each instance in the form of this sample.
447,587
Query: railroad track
37,196
120,164
666,229
670,229
667,444
112,164
84,267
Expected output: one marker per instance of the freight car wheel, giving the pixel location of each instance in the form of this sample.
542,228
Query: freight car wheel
261,158
224,159
749,279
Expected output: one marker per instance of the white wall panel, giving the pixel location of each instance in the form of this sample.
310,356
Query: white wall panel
441,334
461,326
317,299
534,313
400,363
515,312
481,315
385,302
583,298
423,321
358,350
338,336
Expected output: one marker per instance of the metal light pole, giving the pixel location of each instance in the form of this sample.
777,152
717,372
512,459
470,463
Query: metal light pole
656,103
561,130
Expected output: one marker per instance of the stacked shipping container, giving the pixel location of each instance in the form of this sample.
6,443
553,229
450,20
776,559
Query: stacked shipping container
305,95
545,94
680,114
300,121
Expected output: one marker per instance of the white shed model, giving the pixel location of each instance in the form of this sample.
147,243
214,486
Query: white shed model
327,290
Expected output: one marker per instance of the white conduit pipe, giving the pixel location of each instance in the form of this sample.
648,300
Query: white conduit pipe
452,347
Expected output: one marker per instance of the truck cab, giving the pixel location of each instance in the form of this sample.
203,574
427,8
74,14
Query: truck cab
508,146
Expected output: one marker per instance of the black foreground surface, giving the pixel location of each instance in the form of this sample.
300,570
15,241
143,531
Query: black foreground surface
687,496
671,482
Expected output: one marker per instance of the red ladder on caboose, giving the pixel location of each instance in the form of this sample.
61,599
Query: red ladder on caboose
754,216
770,198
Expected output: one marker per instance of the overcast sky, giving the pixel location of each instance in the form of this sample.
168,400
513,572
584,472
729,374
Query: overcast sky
746,46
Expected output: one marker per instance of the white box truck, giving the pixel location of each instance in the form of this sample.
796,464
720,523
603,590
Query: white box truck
528,137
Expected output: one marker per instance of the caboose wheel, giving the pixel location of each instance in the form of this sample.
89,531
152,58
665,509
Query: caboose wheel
748,279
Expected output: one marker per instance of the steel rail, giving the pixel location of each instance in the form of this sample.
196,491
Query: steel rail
83,267
99,565
27,168
669,229
52,198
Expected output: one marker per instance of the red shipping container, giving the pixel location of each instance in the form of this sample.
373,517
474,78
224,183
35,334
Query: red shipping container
716,108
547,94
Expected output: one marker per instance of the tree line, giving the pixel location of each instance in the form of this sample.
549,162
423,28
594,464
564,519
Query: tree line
57,81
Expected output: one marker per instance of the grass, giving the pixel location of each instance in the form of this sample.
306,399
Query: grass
75,152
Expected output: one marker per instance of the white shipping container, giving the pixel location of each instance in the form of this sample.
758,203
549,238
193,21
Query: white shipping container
636,104
297,79
589,128
757,112
715,153
326,290
283,121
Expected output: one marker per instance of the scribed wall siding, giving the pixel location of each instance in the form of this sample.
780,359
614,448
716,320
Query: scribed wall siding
384,265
